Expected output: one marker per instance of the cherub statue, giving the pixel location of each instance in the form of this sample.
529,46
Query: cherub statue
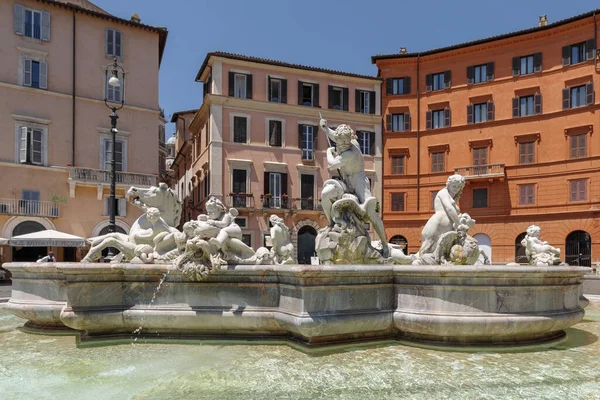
537,251
283,249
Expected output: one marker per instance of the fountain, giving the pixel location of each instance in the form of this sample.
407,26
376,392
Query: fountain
212,285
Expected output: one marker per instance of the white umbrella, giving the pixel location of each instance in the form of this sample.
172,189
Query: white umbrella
3,241
47,238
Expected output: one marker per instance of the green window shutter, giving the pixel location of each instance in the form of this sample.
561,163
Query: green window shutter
43,75
45,26
27,72
23,149
18,19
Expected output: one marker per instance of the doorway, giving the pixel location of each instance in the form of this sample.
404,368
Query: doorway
306,244
578,249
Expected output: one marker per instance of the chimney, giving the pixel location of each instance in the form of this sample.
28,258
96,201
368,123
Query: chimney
403,50
135,18
543,21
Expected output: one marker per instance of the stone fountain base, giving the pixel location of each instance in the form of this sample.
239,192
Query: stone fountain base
449,305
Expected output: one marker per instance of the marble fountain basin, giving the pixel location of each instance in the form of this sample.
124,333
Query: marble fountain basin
438,305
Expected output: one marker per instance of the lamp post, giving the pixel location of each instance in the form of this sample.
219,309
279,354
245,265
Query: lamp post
114,99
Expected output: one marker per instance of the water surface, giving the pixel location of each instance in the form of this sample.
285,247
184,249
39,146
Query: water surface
53,367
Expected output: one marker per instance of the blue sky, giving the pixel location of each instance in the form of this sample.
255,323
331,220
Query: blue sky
341,35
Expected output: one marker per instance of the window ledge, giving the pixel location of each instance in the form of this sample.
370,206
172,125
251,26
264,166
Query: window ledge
34,120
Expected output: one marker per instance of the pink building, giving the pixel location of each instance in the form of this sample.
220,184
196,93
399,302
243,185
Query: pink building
255,141
55,153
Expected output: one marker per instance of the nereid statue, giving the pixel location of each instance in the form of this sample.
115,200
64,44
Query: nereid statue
283,250
444,237
539,252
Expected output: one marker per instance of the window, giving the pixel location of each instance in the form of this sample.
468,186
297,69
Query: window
398,86
526,153
275,133
578,96
480,112
242,222
526,65
397,201
480,73
238,187
578,190
306,94
113,43
119,146
366,102
307,192
31,147
398,122
239,88
579,52
337,98
114,94
275,90
480,198
120,205
275,189
247,239
398,165
480,156
438,118
527,105
526,194
240,134
162,164
206,184
438,82
307,142
35,73
161,134
578,146
366,140
31,23
438,162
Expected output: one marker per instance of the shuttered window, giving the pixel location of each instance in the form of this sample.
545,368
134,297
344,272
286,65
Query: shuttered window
397,201
526,194
480,198
240,129
275,133
398,86
118,155
578,190
114,43
239,88
398,165
438,162
366,141
336,98
114,94
578,96
307,132
398,122
31,22
35,74
579,52
526,153
578,146
31,146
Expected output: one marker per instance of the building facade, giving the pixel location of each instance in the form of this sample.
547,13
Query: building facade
56,152
516,115
255,142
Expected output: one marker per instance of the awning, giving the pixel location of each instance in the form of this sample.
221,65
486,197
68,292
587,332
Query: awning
3,241
47,238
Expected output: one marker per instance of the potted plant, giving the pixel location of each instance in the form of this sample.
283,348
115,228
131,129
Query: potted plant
56,200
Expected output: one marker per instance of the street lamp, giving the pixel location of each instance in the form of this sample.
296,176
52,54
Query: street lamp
114,86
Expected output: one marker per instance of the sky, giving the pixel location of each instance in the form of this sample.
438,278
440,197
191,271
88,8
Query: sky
340,35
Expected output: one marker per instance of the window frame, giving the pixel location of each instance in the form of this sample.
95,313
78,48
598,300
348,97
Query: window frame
339,94
525,99
583,54
364,141
113,32
436,155
108,89
107,137
398,168
482,69
526,196
29,125
526,59
577,138
440,116
524,157
478,205
582,89
439,80
398,120
268,131
312,94
482,109
306,134
33,13
279,82
237,89
578,193
397,83
394,197
365,102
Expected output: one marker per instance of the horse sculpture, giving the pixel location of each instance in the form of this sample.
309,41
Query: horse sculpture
152,236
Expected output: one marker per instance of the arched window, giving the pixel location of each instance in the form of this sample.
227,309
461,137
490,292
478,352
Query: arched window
26,227
400,241
485,245
520,256
306,244
578,249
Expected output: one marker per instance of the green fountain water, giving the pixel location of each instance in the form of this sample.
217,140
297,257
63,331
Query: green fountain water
51,367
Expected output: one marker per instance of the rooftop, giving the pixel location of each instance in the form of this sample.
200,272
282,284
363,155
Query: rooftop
260,60
486,40
178,113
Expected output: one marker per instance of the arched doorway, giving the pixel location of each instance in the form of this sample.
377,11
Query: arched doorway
306,244
28,253
485,245
106,230
578,249
520,256
400,241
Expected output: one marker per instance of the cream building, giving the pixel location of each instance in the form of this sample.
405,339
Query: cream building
255,141
55,129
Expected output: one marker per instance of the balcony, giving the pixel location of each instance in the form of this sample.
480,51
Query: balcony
102,177
240,200
308,204
275,202
29,207
484,171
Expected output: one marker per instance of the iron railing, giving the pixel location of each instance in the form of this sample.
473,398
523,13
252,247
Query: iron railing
89,175
29,207
275,202
481,171
240,200
306,204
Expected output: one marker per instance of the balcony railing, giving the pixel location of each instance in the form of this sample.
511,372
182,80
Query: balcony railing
481,171
275,202
89,175
240,200
306,204
29,207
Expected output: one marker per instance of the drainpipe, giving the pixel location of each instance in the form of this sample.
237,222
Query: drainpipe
73,99
595,33
418,137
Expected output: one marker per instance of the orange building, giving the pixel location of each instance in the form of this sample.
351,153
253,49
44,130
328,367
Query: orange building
516,115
